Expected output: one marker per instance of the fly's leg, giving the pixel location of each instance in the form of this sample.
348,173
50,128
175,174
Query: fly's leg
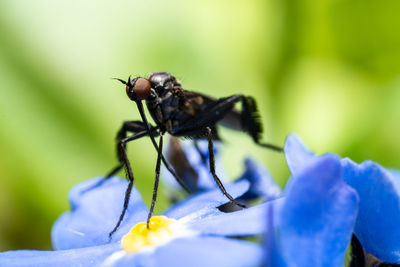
147,127
139,131
126,163
212,169
157,179
251,122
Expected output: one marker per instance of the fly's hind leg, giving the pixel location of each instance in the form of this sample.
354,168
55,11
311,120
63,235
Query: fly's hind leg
251,122
212,169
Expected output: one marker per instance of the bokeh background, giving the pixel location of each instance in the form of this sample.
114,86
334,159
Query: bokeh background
327,70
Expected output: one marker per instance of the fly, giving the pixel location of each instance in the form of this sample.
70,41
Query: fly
181,113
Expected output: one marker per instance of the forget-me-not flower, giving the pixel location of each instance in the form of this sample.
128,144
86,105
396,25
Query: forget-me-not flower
314,224
315,218
378,219
309,224
195,234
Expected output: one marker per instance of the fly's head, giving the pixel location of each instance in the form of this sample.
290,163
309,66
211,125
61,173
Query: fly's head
137,89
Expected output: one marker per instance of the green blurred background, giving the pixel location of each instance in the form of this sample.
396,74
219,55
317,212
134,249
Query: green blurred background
327,70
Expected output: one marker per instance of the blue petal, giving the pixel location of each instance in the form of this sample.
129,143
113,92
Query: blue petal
261,182
318,216
205,203
297,155
95,213
272,255
91,256
396,179
378,221
198,251
239,223
204,180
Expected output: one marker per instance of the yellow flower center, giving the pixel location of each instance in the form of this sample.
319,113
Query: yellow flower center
161,230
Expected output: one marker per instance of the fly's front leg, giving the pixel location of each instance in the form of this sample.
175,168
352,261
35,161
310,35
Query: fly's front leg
122,145
156,180
125,161
139,131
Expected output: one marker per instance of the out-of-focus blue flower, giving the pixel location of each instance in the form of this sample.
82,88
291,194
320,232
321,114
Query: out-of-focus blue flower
80,236
378,220
261,182
314,224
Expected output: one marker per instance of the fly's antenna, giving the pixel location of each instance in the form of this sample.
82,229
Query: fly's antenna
122,81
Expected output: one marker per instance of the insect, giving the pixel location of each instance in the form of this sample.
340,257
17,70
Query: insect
181,113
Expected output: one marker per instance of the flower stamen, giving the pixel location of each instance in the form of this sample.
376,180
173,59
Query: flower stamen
161,230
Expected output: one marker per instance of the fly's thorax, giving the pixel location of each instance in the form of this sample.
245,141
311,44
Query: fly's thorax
161,81
163,107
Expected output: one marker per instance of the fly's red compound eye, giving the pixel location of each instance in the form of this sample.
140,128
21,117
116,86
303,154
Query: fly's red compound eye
142,88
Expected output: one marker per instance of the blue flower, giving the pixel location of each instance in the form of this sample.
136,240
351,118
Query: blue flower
378,219
80,236
314,224
315,218
261,182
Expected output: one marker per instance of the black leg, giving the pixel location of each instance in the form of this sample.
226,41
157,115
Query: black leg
138,130
126,203
120,151
270,146
131,178
212,169
171,170
125,162
157,179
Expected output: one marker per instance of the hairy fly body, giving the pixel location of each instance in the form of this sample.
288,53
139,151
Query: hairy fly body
181,113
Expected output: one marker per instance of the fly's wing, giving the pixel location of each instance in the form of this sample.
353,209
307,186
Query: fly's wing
233,120
177,157
203,111
195,103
